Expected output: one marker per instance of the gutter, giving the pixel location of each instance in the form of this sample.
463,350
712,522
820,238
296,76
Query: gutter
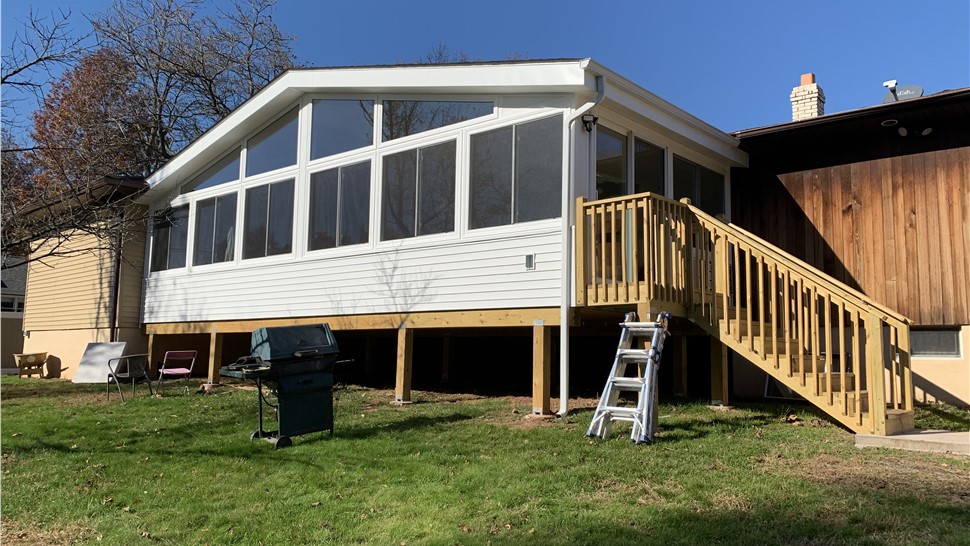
567,244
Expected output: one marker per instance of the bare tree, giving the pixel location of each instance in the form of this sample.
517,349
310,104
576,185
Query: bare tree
88,153
36,55
194,68
165,71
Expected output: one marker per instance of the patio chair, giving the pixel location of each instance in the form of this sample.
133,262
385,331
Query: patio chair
175,365
133,368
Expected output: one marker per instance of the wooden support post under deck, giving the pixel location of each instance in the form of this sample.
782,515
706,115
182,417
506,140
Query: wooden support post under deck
369,356
679,346
152,367
405,354
445,356
215,356
719,373
541,368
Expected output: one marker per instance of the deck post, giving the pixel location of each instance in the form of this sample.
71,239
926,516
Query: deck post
405,354
679,345
369,355
152,367
445,356
875,374
719,373
215,356
541,368
580,252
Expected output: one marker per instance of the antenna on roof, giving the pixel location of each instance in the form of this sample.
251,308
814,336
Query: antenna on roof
902,92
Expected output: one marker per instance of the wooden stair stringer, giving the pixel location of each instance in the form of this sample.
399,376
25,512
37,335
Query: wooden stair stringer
791,381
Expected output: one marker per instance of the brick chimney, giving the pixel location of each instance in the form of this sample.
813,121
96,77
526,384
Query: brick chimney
807,100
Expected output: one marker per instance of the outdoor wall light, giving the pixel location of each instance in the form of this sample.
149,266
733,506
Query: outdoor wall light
589,120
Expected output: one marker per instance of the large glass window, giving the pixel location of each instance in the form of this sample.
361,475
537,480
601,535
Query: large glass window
222,171
704,187
268,228
215,225
538,170
410,117
339,206
418,196
274,147
611,160
648,168
340,125
516,173
169,235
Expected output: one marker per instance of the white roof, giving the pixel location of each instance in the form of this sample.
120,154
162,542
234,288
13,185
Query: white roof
571,76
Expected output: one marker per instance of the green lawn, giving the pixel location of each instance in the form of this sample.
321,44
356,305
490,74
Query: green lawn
455,469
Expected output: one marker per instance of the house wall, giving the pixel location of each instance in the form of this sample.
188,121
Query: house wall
11,339
487,272
944,379
70,292
898,229
69,298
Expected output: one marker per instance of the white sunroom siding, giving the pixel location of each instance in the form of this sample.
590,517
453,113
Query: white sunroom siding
447,276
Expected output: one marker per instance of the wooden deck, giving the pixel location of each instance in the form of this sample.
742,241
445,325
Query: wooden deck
829,343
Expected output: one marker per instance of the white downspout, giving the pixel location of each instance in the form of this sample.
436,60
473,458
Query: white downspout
567,246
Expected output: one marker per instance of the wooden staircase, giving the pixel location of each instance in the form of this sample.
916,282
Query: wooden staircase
828,343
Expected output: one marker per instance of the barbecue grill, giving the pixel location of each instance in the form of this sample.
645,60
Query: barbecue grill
297,364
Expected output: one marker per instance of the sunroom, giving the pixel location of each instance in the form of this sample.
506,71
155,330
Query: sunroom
415,197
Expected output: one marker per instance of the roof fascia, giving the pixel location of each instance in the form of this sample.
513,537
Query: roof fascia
685,127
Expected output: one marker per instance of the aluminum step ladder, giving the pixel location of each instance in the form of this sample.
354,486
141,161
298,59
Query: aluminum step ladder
642,416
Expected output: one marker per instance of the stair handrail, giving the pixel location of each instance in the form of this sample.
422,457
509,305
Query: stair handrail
804,268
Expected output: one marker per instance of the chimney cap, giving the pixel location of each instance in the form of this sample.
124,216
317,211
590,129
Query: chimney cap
808,79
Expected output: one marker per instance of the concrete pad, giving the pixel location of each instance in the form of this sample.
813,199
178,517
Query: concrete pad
936,441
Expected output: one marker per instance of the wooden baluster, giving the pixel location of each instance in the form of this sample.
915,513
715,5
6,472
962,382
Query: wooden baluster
802,343
773,312
895,376
858,366
622,208
788,318
827,328
602,235
814,333
905,364
843,360
737,290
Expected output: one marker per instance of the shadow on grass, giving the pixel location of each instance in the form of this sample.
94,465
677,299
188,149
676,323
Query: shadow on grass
766,522
948,417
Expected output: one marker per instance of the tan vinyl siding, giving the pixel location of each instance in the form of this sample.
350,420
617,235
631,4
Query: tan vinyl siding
132,267
71,292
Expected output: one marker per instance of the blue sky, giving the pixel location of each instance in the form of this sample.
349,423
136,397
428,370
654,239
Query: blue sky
730,63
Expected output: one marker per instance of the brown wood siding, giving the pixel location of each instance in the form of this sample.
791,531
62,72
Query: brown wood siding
896,228
72,292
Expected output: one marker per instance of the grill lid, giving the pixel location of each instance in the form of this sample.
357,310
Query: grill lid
294,342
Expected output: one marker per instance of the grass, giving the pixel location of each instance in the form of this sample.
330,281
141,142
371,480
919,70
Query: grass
453,469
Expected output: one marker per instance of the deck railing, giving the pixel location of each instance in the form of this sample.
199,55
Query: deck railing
825,340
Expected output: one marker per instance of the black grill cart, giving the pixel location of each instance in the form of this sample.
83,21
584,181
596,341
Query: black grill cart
296,363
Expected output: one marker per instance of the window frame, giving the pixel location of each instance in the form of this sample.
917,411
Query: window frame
169,209
956,331
294,219
470,233
194,215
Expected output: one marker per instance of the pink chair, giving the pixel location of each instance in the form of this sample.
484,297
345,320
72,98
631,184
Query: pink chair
175,365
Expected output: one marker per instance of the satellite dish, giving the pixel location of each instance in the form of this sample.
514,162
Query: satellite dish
903,92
